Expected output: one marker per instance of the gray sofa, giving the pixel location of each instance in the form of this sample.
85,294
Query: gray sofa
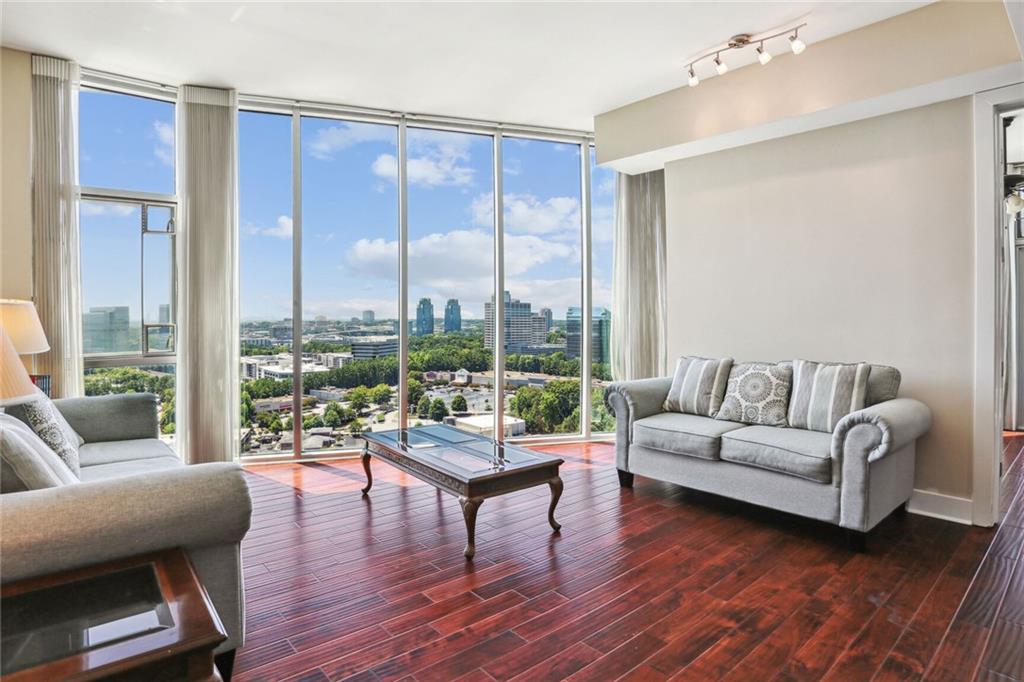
135,496
853,477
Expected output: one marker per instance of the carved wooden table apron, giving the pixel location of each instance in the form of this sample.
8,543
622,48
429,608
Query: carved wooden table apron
470,466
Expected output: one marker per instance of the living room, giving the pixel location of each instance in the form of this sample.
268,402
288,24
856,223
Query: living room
481,341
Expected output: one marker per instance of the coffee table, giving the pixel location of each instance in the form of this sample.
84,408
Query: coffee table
470,466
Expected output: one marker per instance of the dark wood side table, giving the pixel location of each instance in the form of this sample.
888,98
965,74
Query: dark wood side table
470,466
143,618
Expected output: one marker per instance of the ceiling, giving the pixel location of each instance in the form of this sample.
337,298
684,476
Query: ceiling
554,64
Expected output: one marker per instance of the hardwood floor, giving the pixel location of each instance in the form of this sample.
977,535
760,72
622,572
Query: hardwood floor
656,582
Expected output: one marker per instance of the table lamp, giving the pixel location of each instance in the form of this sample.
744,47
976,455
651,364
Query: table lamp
21,322
15,385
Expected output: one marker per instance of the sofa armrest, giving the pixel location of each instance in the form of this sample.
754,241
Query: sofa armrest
120,416
641,397
896,423
55,529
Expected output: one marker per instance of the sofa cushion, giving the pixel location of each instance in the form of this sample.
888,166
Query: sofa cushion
129,468
50,425
883,384
698,385
108,452
682,434
757,393
26,462
824,393
806,454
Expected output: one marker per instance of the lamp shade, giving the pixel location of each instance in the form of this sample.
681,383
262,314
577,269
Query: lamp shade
15,385
21,322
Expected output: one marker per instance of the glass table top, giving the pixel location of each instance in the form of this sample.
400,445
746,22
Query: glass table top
465,454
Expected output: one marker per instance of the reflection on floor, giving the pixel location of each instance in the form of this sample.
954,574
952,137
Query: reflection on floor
655,582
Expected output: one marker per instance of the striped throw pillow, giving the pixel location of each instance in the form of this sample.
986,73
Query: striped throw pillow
698,385
824,393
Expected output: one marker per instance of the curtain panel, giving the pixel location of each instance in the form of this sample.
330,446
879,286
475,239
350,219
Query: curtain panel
207,396
55,238
638,277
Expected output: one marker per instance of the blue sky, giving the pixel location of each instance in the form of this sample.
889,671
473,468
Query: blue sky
350,214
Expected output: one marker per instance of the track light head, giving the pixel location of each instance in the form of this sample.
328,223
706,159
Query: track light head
720,66
763,55
693,80
796,44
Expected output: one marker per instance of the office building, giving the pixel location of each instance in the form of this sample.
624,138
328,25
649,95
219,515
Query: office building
452,316
424,317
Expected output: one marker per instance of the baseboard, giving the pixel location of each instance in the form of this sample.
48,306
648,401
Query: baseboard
939,506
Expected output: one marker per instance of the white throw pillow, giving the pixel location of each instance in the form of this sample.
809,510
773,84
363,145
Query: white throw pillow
49,424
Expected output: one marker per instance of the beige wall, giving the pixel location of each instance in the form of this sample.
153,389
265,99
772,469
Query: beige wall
848,243
15,174
938,43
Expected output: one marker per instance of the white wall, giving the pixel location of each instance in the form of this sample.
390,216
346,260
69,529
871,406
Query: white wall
15,175
848,243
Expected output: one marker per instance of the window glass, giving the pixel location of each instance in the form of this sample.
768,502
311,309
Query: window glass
602,234
111,265
125,142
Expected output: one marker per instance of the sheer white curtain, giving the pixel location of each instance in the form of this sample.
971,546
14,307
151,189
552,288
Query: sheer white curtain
638,277
56,279
206,404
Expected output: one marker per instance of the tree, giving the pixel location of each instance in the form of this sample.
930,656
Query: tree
246,407
275,424
423,406
332,414
438,410
312,421
380,394
459,403
356,427
415,389
359,398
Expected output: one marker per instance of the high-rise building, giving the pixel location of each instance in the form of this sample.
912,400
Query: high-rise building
369,347
518,323
452,316
368,317
600,334
105,330
424,317
548,318
539,326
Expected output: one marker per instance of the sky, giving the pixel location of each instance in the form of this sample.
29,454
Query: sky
350,215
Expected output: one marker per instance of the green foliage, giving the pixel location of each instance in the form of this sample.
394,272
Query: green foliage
449,352
438,410
380,394
359,398
325,347
556,336
127,380
356,427
551,409
312,421
602,420
249,349
556,364
415,390
459,403
267,388
423,406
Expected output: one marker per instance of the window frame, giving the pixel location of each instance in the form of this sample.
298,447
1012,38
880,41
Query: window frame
120,85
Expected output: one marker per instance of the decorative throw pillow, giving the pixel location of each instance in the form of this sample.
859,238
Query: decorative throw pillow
698,385
53,429
757,393
26,463
824,393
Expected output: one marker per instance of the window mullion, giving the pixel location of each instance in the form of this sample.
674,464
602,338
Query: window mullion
296,283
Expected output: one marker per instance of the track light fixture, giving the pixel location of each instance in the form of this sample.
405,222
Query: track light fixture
740,41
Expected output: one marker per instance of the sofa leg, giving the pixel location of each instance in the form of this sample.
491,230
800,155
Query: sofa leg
900,511
225,663
625,479
857,541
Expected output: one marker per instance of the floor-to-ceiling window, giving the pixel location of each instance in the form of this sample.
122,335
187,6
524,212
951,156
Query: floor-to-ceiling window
451,276
543,292
349,281
127,234
265,281
602,234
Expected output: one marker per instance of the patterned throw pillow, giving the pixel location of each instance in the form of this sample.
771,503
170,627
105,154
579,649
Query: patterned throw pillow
52,429
757,393
824,393
698,385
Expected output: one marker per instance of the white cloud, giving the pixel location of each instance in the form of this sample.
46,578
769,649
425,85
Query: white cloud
602,223
164,149
526,213
436,158
327,141
342,308
455,264
96,208
282,229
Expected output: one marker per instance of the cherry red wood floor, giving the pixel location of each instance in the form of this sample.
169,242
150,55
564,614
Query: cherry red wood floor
651,583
